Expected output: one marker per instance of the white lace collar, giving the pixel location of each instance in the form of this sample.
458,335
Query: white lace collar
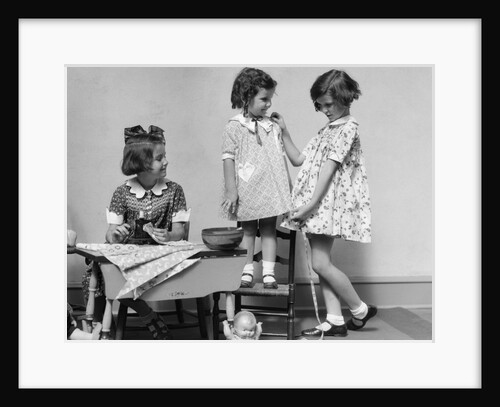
342,120
137,189
265,123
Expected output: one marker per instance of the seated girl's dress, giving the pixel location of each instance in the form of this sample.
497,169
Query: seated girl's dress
164,204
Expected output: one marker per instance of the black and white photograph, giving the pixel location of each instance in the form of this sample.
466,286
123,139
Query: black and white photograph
253,205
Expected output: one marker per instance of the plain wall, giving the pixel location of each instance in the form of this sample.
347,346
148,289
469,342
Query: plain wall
192,104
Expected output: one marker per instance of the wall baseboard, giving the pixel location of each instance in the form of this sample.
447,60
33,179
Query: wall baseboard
408,292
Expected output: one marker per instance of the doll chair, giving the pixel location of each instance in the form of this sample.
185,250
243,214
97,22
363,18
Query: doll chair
285,291
179,312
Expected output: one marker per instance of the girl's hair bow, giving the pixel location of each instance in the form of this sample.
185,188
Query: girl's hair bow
132,133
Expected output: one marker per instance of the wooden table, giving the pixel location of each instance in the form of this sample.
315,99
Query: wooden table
217,271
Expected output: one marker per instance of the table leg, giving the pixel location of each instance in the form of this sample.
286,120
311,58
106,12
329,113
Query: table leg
107,319
215,316
200,306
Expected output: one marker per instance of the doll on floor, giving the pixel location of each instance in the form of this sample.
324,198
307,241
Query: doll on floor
75,333
244,327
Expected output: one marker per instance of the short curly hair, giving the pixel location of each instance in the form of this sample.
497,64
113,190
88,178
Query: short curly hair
337,84
247,85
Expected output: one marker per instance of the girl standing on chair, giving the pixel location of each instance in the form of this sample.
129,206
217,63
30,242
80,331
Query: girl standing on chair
151,195
256,181
331,197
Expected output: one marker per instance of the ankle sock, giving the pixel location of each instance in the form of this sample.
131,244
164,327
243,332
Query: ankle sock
248,269
331,319
360,312
335,319
268,271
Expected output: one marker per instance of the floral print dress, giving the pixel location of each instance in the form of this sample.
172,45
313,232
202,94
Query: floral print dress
345,209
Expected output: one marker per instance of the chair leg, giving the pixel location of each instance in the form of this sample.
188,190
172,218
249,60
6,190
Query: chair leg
291,313
237,303
202,322
180,311
215,316
121,322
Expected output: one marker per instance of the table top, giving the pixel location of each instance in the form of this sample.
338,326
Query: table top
218,270
205,252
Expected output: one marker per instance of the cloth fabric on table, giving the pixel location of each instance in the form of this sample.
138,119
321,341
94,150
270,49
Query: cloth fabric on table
144,266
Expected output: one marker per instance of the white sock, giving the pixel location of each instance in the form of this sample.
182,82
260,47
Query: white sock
360,312
335,319
248,269
331,319
268,271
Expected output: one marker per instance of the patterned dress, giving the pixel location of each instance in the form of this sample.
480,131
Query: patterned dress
262,177
345,209
164,204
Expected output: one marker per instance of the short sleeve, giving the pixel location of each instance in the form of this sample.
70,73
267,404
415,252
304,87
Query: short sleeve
117,207
229,142
178,202
342,142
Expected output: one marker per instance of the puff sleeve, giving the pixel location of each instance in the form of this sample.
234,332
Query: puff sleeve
342,142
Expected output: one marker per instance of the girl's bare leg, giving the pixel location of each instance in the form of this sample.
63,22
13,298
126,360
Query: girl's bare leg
267,227
339,284
249,234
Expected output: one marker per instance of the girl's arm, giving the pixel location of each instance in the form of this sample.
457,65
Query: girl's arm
324,180
293,153
231,192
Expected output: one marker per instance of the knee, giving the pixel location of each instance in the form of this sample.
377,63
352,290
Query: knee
320,266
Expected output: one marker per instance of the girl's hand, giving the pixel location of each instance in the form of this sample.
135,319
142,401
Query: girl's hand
279,120
302,213
161,235
231,202
121,232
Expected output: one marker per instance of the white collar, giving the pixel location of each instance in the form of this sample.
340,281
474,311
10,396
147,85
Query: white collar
265,123
137,189
342,120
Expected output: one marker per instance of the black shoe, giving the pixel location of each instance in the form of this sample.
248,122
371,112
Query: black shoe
272,284
334,330
159,330
360,323
245,283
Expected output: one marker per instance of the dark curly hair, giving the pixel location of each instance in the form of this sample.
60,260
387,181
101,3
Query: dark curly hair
247,85
337,84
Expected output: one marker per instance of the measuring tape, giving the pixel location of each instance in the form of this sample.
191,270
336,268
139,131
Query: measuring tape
313,291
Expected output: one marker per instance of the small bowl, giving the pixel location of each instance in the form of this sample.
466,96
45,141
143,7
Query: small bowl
227,238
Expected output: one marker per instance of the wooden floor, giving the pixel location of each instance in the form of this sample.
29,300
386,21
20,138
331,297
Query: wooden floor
397,323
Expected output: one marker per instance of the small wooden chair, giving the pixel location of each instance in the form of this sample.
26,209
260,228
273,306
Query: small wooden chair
285,291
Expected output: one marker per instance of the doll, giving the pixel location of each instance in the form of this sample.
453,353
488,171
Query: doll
245,327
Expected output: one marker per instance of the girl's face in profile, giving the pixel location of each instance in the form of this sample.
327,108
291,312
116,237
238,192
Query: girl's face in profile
261,102
159,164
330,108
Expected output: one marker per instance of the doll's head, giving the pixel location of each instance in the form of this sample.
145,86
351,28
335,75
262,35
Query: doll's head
141,149
336,84
245,325
248,83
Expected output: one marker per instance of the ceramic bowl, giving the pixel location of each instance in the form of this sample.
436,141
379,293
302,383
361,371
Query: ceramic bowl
227,238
